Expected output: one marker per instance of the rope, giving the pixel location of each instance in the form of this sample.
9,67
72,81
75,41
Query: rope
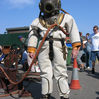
37,52
9,94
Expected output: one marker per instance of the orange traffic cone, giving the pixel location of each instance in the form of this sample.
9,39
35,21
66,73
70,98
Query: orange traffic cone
75,84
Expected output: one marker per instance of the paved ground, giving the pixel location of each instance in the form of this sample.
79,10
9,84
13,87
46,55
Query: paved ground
89,87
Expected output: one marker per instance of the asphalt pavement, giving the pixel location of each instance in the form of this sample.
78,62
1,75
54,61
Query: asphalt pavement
89,87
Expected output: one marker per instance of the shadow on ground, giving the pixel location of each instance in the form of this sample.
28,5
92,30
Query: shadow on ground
34,87
96,75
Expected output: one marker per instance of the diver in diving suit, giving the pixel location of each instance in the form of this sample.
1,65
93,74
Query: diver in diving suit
51,58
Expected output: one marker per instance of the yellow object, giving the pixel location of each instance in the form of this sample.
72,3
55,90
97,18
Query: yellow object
76,45
31,49
57,21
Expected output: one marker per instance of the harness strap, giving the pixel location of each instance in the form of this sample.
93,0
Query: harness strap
64,49
51,53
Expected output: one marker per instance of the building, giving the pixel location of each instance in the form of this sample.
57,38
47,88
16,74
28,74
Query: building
17,30
11,38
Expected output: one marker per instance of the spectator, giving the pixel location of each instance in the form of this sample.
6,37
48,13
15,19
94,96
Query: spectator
94,37
24,57
81,52
26,61
2,56
35,66
88,52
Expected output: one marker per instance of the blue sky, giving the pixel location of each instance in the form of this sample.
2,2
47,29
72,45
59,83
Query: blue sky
19,13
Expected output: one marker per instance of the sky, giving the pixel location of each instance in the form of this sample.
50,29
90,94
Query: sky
20,13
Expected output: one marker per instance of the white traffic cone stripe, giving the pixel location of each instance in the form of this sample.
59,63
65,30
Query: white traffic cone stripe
75,74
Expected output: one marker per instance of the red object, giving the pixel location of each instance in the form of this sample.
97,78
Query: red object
75,84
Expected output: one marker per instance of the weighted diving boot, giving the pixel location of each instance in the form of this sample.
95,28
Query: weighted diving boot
47,96
93,70
63,97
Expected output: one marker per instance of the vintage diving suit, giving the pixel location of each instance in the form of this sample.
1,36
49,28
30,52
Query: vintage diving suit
51,56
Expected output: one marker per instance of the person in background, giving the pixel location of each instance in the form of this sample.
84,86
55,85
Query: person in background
81,52
23,40
94,37
88,52
26,60
2,55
